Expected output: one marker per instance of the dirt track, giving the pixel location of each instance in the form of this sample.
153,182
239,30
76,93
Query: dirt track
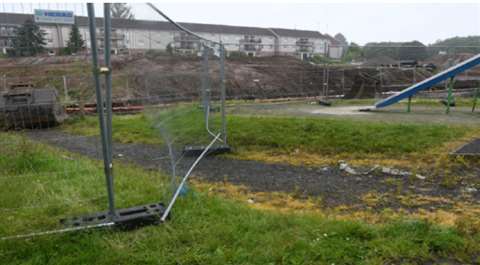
335,187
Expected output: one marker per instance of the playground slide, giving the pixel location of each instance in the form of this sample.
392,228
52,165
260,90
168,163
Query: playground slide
429,82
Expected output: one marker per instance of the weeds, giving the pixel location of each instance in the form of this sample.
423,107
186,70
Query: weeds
450,181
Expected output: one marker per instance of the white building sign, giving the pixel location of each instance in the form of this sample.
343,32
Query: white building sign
54,16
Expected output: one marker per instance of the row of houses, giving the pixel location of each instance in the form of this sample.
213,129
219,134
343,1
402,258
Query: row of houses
130,34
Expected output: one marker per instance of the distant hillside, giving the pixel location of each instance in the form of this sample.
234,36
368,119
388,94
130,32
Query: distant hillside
413,50
470,44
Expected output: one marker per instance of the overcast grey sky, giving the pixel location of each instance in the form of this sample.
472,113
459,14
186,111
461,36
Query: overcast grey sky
359,22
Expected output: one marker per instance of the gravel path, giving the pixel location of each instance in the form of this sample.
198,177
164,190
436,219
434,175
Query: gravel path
334,186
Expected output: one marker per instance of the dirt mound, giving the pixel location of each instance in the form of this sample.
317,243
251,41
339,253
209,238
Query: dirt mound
161,77
445,61
273,77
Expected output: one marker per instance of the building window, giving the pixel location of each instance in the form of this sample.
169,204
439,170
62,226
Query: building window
186,42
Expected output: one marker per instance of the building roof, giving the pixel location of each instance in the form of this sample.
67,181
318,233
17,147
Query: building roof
297,33
226,29
127,23
163,25
16,18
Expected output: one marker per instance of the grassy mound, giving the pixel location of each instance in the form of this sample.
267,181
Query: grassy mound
280,134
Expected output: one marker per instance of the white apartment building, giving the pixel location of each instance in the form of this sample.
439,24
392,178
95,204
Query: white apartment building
158,35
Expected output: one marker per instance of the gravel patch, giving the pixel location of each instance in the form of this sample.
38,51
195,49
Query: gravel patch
334,186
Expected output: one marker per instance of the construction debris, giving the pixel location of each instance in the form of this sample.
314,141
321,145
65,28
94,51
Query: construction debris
344,166
471,189
117,107
26,107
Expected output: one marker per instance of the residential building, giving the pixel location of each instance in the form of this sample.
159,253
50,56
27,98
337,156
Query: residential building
141,35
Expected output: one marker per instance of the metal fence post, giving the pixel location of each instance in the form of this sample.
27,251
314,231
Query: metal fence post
327,95
65,89
128,87
100,110
223,92
205,84
5,82
324,84
108,76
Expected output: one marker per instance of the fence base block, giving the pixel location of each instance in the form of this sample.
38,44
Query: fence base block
127,218
214,150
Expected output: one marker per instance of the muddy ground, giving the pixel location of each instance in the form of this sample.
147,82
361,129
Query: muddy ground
333,186
156,77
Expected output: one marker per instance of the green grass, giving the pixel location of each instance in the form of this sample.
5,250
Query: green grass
424,102
203,229
323,136
126,129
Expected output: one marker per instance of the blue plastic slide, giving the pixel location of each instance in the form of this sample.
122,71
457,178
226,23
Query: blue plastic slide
429,82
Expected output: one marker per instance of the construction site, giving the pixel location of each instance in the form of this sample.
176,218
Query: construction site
224,156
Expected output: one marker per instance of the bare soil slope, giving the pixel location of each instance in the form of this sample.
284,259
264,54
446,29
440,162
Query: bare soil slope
158,77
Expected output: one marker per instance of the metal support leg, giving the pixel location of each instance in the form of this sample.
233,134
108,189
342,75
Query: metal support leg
475,98
409,106
450,94
100,109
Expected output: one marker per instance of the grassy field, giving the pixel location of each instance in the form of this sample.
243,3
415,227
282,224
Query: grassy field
41,184
459,101
323,136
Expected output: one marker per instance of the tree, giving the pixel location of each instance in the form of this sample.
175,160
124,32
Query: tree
75,42
29,39
169,49
121,10
454,45
343,42
340,38
353,53
381,49
413,50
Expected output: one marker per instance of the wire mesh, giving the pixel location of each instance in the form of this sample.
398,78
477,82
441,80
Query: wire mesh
164,101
